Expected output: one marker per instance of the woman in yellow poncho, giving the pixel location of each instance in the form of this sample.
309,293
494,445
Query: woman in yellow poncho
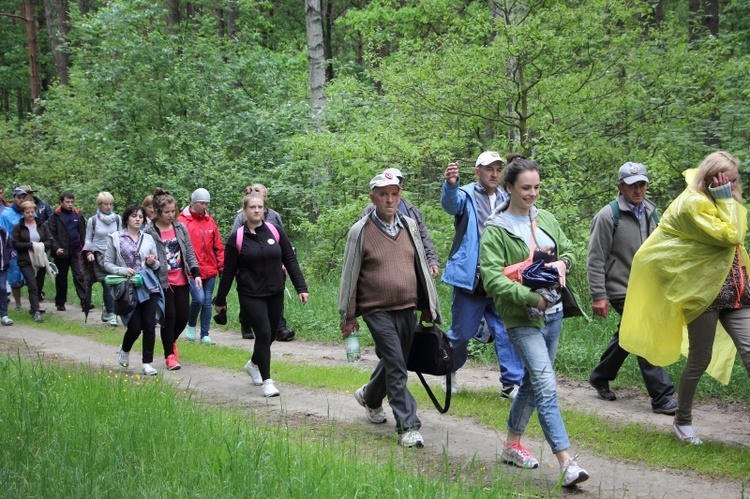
693,271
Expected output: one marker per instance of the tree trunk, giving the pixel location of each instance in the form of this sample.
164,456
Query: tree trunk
703,13
327,33
173,17
233,14
316,60
84,6
58,32
34,80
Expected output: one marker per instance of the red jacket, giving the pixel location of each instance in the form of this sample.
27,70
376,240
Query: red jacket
206,241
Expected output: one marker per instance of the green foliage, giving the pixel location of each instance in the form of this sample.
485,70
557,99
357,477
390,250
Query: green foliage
329,233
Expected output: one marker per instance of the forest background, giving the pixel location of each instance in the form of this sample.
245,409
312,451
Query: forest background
313,99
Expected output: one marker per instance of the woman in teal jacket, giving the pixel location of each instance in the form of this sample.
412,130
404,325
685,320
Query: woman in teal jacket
533,320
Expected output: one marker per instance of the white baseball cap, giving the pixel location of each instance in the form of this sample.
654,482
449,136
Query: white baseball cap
489,157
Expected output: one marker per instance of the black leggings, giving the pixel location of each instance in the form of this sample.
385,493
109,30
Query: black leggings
143,319
263,314
32,279
176,311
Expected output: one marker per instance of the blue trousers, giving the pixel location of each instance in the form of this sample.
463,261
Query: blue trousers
468,311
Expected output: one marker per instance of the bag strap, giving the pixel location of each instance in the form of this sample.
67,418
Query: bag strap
616,214
274,231
441,409
239,238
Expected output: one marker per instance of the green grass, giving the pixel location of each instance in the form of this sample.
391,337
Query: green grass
74,432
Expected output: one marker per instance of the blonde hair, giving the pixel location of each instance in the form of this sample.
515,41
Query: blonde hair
148,201
249,197
712,165
104,197
28,204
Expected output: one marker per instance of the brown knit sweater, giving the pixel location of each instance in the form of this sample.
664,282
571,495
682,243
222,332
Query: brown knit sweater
387,279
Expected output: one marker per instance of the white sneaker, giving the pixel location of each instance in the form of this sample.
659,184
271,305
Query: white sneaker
6,321
518,455
509,391
269,389
376,416
572,473
148,370
254,373
112,320
123,358
190,333
686,434
454,382
411,438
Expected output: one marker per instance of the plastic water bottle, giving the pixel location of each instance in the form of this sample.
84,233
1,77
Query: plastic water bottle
351,344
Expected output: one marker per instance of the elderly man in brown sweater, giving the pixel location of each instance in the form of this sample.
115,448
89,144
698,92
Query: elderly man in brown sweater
385,279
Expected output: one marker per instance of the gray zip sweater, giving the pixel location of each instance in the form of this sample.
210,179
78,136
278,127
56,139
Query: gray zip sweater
611,255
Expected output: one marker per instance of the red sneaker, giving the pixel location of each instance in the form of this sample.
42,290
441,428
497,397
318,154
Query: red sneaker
175,351
172,363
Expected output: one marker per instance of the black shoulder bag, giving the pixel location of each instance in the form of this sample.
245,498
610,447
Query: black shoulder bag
430,353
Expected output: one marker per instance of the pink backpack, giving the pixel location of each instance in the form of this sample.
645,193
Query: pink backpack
241,235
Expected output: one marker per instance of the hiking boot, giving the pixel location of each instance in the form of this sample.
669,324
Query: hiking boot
454,382
206,340
411,438
123,358
6,321
509,391
518,455
61,308
572,473
172,363
669,408
269,389
376,415
190,333
284,334
247,333
603,390
254,373
38,316
148,370
686,434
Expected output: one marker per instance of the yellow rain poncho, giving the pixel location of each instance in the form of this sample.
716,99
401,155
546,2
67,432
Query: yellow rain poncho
677,274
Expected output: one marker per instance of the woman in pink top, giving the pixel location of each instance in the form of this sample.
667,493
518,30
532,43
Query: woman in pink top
179,265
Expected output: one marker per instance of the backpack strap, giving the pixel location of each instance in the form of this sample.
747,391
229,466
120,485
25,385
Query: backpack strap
241,235
239,238
616,214
274,231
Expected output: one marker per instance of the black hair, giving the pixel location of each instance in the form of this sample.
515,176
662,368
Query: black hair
67,195
518,165
130,211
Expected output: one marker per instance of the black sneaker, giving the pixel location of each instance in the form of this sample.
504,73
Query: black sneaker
284,334
60,308
247,333
669,408
603,390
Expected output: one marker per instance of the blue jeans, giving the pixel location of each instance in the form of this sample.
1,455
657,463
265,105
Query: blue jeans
108,298
3,293
538,349
201,304
468,311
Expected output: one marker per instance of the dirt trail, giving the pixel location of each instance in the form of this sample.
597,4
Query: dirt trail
462,438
